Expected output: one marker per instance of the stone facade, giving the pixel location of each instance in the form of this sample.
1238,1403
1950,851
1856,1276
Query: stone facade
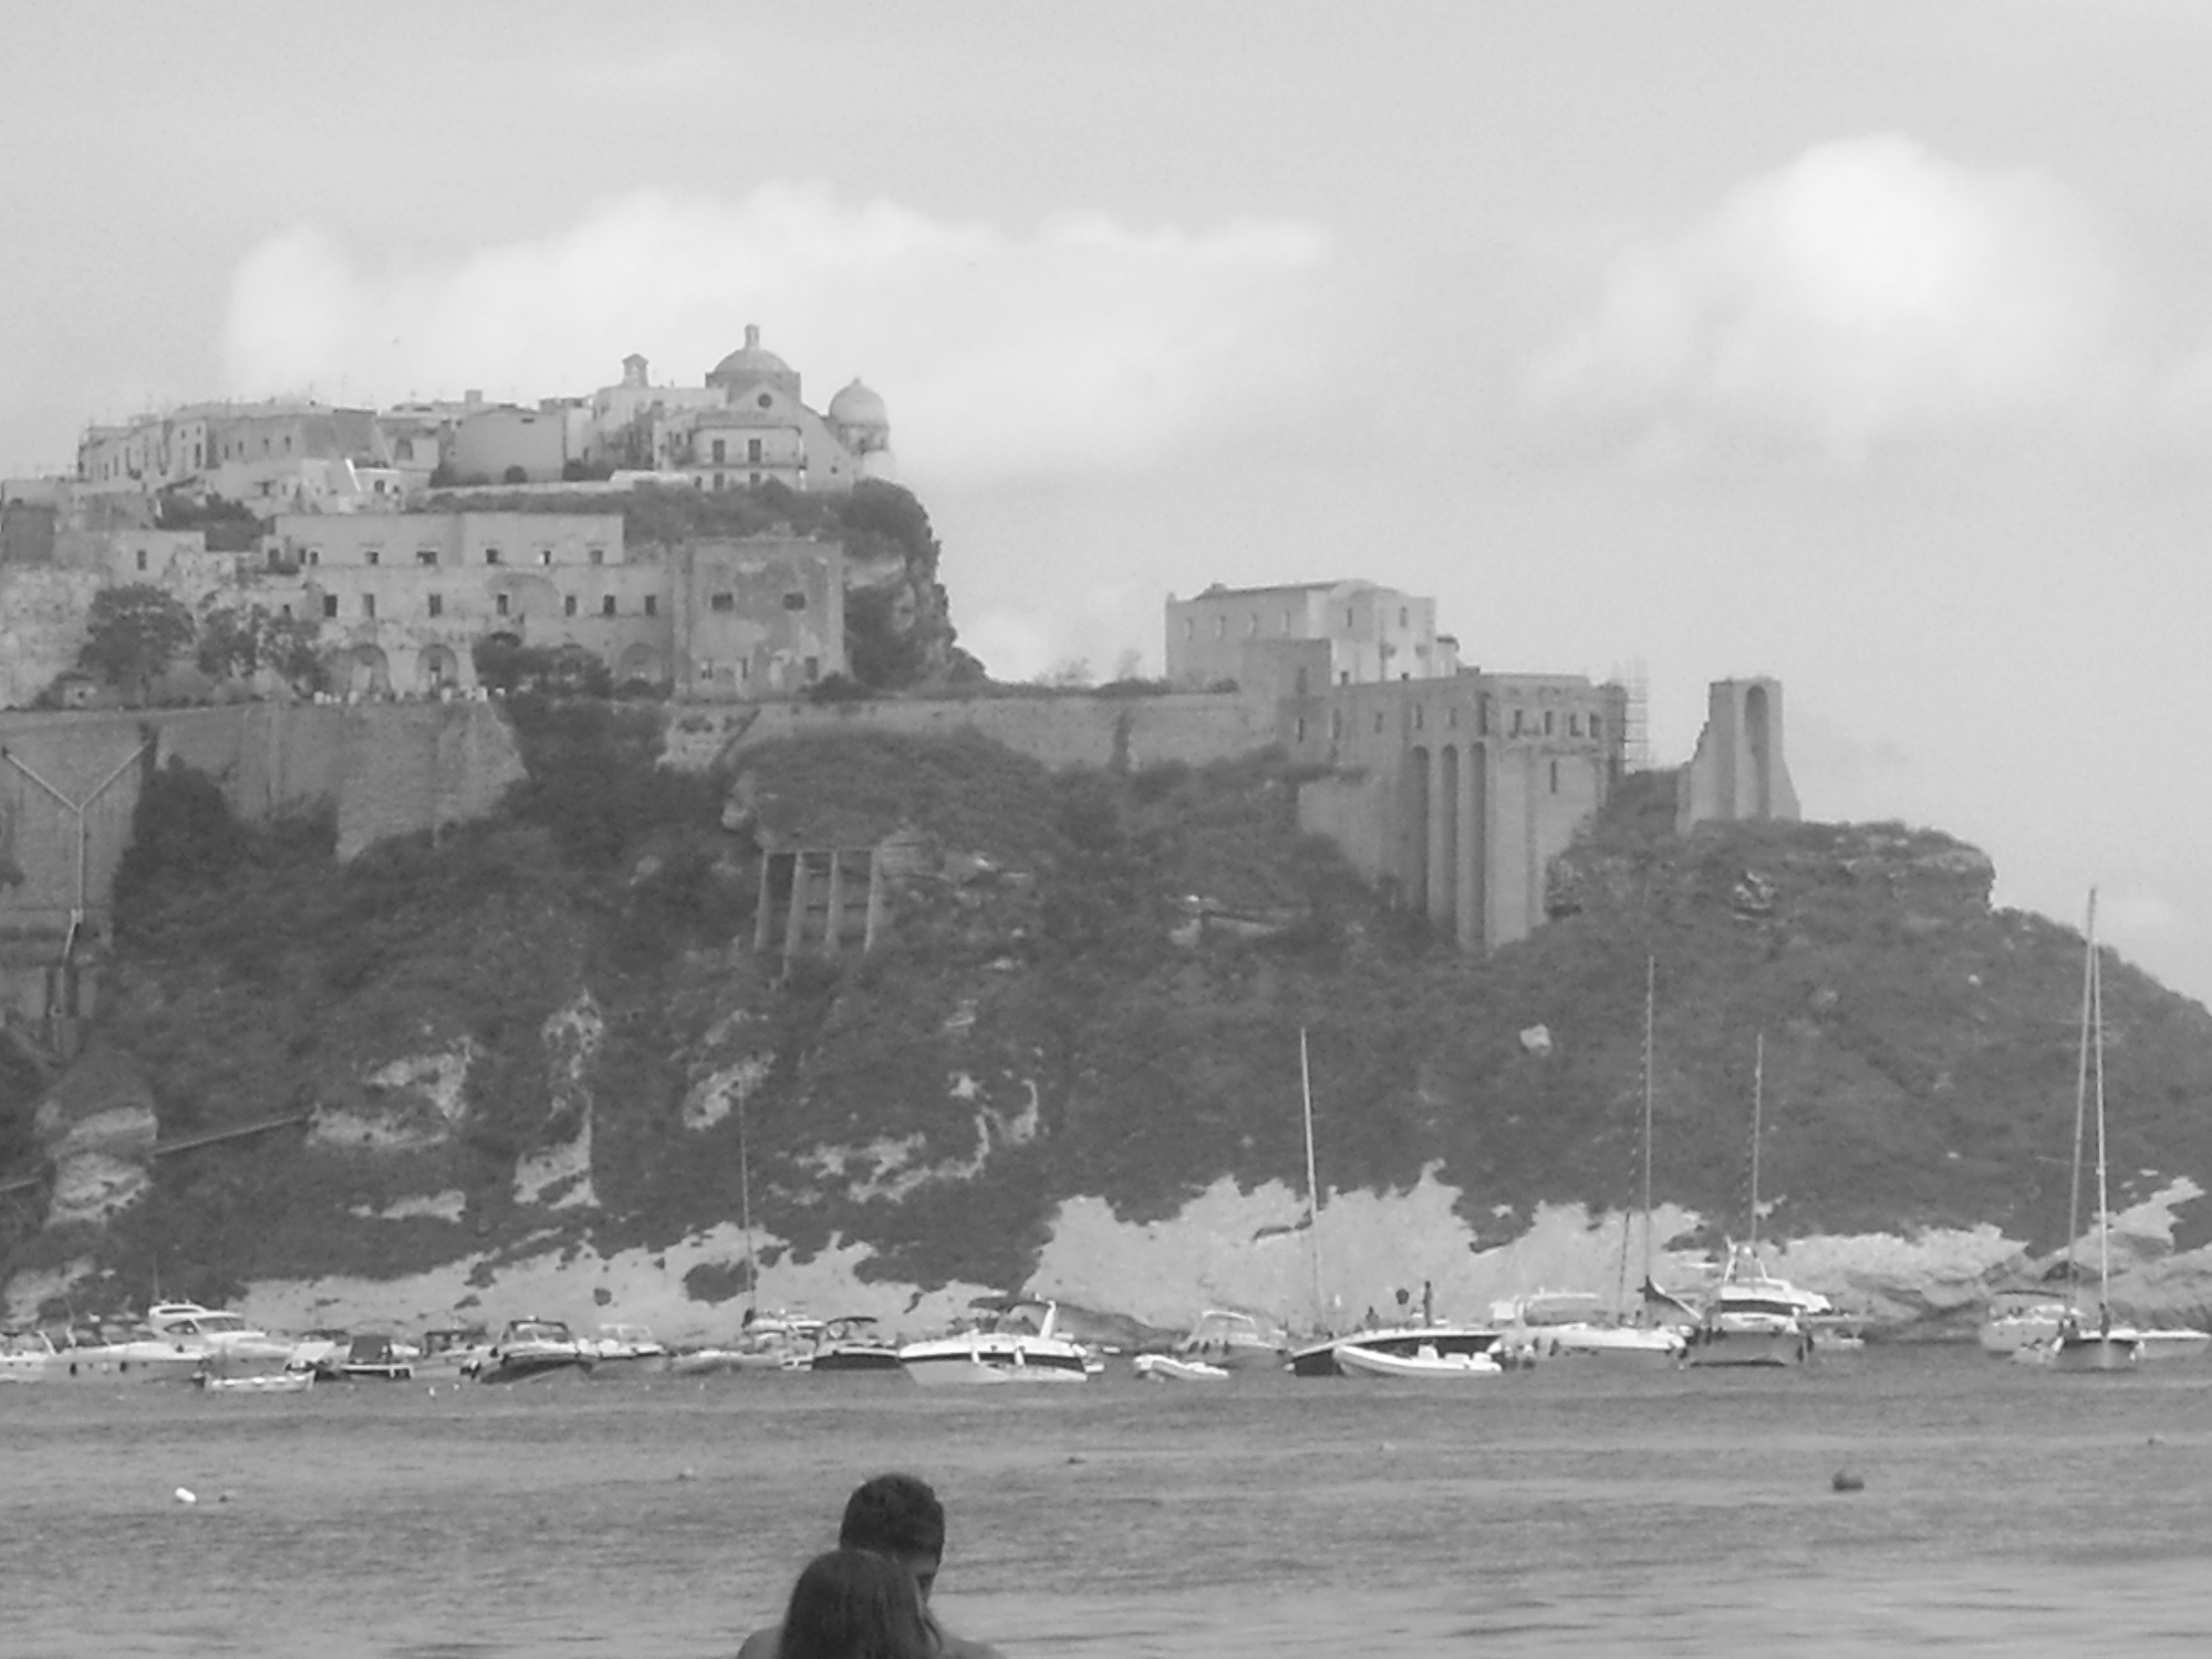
1738,774
1367,634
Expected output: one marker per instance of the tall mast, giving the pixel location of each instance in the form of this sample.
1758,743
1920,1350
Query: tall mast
1758,1085
1650,985
2081,1097
1313,1183
1620,1289
745,1208
2104,1203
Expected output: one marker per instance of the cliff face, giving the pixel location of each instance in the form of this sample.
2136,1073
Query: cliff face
543,1062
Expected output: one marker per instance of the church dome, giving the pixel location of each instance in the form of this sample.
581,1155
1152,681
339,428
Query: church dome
750,363
857,406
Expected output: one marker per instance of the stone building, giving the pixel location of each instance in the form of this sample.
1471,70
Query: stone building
1738,774
1370,633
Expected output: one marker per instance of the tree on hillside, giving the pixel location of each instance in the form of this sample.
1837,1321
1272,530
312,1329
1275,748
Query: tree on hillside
133,634
238,645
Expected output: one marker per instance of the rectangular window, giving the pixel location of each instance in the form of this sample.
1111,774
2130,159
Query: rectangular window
287,610
606,604
795,602
141,558
1189,627
1547,722
1516,731
567,604
596,556
1596,725
368,604
1300,738
1221,627
1378,720
1297,680
1252,626
1555,777
425,555
755,481
1347,617
315,555
744,671
717,481
437,604
753,451
490,555
372,555
722,602
722,453
1452,717
1286,623
1420,720
1574,725
1336,722
499,604
1343,677
813,670
330,605
545,555
652,604
1402,616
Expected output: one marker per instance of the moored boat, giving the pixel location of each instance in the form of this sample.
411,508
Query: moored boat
1018,1342
533,1347
294,1382
233,1346
374,1359
1425,1360
1752,1318
1233,1341
852,1342
622,1351
1570,1325
1453,1345
1174,1368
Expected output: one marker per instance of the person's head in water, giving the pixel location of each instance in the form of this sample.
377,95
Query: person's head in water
900,1517
855,1603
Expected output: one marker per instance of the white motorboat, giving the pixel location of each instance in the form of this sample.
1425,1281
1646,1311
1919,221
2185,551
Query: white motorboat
1752,1318
135,1355
26,1356
1018,1342
1228,1339
295,1381
1174,1368
852,1342
231,1345
1426,1359
766,1341
1454,1347
533,1347
375,1358
622,1351
452,1351
1570,1325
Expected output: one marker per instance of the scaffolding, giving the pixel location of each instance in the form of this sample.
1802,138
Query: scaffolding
1636,732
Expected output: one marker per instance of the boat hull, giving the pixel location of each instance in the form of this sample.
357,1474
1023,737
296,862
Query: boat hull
528,1367
2087,1351
854,1358
1426,1364
1625,1346
992,1360
1713,1345
1330,1357
1174,1368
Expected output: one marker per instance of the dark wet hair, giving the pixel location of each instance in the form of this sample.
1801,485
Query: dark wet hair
855,1604
896,1515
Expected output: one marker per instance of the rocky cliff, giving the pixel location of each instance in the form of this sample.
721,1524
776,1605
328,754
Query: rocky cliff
540,1062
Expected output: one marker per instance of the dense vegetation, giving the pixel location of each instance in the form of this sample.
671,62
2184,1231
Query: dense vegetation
1093,984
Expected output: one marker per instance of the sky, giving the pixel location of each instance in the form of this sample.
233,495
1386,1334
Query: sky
1865,346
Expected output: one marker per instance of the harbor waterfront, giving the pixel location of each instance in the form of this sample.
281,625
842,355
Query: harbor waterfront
1565,1509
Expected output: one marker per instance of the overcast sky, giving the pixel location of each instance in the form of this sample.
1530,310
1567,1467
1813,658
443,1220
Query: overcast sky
1867,346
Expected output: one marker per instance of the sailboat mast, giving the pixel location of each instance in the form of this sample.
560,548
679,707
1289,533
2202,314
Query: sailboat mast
1650,984
1313,1182
1759,1088
2104,1203
2081,1100
744,1209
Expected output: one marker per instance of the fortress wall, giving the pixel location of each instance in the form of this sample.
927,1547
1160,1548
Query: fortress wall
417,767
42,623
1059,730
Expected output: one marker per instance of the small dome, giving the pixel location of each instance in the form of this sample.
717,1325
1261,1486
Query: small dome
857,406
753,362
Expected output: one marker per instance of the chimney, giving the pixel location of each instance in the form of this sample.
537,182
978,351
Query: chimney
752,337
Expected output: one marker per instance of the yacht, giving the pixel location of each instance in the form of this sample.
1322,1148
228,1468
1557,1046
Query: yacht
107,1354
1019,1342
1752,1318
233,1347
532,1348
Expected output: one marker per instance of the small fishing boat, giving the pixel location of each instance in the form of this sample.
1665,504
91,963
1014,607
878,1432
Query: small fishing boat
1174,1368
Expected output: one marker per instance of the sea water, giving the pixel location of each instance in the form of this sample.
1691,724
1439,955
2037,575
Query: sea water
1558,1511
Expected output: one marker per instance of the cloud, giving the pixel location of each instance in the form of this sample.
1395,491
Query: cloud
1867,293
1083,344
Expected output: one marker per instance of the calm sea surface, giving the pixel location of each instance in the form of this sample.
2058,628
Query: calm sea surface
1553,1512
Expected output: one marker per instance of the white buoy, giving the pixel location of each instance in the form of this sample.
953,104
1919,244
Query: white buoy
185,1495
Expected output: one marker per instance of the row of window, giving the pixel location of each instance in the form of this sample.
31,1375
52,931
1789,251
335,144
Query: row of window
501,604
1252,623
1522,724
429,556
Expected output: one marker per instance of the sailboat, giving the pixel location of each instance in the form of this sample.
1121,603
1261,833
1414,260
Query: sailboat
1565,1324
2073,1345
1754,1317
1430,1349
